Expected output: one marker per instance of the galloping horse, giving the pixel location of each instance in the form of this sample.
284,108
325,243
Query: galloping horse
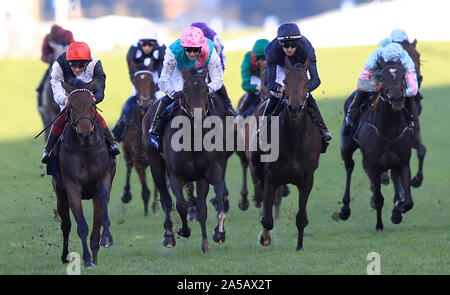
299,152
245,157
134,152
86,171
385,137
203,167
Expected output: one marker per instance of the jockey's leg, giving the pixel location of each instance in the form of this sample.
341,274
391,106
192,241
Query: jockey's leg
112,146
248,98
159,119
226,99
353,111
55,133
326,136
124,117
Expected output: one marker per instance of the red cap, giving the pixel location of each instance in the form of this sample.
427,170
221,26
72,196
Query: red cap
78,51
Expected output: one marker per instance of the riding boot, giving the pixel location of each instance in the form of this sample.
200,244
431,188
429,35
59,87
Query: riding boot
226,99
51,140
119,127
353,111
248,98
326,136
157,123
112,146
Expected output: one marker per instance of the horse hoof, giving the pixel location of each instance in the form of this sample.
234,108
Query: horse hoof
106,241
344,213
264,238
299,248
384,178
168,241
126,197
256,202
396,217
185,233
243,205
417,180
88,264
205,247
64,259
379,227
218,237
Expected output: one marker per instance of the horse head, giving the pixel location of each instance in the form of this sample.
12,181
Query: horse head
415,56
393,84
195,89
296,86
144,84
81,110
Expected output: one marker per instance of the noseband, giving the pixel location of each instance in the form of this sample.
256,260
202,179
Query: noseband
307,92
153,95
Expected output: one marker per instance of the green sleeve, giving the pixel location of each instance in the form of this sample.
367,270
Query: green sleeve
246,72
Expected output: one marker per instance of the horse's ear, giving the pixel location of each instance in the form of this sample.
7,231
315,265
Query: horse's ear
69,88
205,72
133,66
382,62
306,64
184,72
151,65
414,43
91,85
288,63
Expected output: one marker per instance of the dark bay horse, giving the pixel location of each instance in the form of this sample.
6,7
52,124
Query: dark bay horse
385,137
299,152
245,156
48,108
86,171
134,151
203,167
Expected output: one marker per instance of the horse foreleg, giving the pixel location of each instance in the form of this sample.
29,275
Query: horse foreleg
399,195
202,193
74,196
145,193
64,214
106,239
267,218
378,200
126,195
243,203
192,202
406,183
421,151
177,184
216,177
348,147
302,218
95,234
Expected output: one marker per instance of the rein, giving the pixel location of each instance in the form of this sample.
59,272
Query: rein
75,123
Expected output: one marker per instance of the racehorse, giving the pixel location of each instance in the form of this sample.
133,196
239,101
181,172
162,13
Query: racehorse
385,137
203,167
299,151
245,157
134,152
86,171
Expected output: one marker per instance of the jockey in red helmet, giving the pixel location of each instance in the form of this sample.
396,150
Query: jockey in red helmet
76,63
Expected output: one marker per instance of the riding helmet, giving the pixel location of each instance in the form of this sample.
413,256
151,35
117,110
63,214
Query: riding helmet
288,31
78,51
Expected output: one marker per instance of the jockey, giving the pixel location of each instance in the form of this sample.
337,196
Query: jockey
192,49
250,73
218,45
139,56
291,43
54,44
369,78
76,63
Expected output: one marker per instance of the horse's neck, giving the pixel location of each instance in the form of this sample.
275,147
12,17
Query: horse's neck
294,131
389,121
71,140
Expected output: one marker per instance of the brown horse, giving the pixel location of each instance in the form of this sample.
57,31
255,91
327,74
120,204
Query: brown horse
203,167
48,108
86,171
299,151
134,152
385,137
245,157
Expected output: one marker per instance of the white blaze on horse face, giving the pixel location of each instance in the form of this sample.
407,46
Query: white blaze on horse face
393,73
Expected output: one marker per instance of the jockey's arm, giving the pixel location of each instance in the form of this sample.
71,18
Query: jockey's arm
215,72
368,81
169,66
412,85
59,93
99,77
314,80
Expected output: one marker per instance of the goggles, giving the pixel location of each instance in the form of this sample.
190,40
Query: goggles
192,49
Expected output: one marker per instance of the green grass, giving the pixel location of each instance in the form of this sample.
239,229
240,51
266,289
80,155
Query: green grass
30,237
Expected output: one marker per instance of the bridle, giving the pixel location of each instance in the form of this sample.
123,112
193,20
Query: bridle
307,92
151,75
183,104
69,107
